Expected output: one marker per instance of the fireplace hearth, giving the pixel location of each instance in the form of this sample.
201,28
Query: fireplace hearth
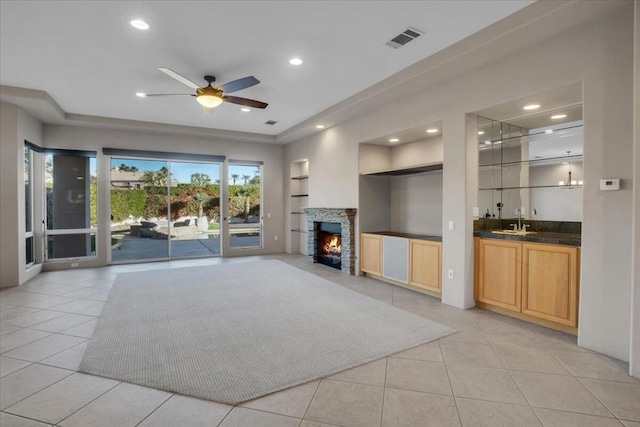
331,237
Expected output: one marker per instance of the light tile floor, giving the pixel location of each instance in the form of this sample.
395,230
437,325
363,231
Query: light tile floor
496,371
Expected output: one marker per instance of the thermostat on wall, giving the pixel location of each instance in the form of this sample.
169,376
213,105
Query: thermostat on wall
610,184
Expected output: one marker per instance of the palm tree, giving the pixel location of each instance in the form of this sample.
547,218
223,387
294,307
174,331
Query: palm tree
133,169
246,179
234,177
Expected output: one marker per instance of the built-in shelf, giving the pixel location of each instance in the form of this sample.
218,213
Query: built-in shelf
497,142
299,231
408,170
299,195
551,160
300,177
532,186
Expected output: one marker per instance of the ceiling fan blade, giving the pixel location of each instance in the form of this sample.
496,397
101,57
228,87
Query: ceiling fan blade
239,84
246,102
167,94
178,77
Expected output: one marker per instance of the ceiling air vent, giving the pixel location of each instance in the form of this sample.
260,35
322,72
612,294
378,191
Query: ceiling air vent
405,37
270,122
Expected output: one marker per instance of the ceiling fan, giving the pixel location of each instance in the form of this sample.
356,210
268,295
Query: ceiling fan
209,96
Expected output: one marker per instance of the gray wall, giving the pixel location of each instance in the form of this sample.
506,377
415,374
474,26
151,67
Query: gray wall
17,126
416,203
556,204
530,57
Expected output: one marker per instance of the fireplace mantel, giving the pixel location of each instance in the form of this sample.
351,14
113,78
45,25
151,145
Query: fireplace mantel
346,218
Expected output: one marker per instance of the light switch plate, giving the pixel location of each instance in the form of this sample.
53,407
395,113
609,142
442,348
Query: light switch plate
452,226
475,212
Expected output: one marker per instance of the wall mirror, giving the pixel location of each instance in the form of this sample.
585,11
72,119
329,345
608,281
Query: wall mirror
530,161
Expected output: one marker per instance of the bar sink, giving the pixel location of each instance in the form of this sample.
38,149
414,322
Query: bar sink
514,232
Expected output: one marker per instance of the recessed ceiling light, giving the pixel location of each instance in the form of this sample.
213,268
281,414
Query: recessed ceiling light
246,110
481,132
432,130
141,94
548,131
319,126
139,24
295,61
531,107
394,140
559,116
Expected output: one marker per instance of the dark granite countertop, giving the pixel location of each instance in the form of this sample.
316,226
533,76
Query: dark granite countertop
406,235
566,239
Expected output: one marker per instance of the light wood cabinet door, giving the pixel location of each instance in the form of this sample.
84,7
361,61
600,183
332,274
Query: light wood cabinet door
425,264
500,273
371,253
550,282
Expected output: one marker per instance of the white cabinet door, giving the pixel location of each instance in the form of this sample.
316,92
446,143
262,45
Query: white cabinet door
395,258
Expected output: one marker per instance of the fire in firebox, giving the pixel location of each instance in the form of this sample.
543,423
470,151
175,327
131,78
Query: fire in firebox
332,245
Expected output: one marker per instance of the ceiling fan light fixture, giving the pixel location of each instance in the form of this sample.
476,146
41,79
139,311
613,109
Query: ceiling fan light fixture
209,101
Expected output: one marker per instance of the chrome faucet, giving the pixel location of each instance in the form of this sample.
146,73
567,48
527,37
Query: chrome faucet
519,226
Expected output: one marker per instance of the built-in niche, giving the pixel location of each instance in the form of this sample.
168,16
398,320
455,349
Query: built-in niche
299,192
401,182
531,165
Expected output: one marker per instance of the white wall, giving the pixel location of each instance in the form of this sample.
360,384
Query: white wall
16,128
528,59
418,152
634,365
274,172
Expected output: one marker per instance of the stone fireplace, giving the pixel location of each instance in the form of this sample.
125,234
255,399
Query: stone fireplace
331,237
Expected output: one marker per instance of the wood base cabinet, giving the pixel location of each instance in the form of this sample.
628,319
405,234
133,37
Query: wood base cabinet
550,282
371,253
500,274
425,265
534,279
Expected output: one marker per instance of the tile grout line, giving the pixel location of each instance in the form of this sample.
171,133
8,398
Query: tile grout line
560,375
15,403
311,400
509,372
384,388
453,395
88,403
4,411
156,408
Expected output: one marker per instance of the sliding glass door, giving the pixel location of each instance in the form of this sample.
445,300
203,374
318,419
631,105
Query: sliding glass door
162,209
244,210
140,223
195,209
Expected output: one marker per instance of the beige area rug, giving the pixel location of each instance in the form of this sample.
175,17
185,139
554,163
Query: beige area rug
234,332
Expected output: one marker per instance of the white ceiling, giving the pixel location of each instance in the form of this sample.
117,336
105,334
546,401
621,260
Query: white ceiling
88,58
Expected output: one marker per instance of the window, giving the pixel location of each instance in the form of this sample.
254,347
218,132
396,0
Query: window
28,205
245,204
70,182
